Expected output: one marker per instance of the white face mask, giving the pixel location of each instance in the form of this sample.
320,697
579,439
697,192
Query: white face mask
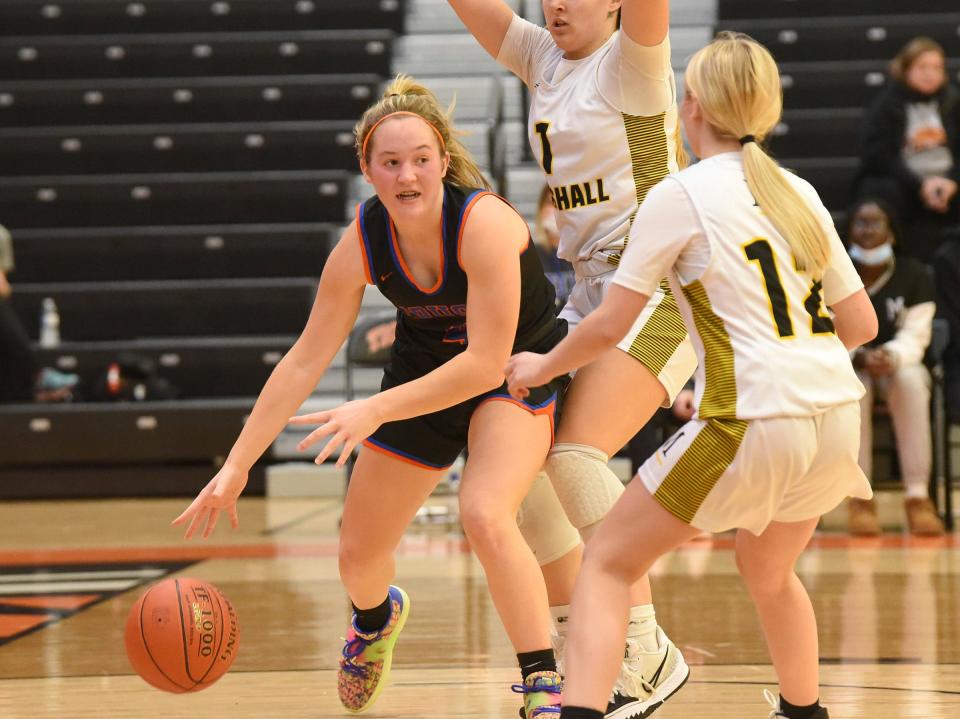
879,255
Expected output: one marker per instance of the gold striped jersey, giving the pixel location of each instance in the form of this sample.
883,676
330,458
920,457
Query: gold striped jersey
602,129
764,339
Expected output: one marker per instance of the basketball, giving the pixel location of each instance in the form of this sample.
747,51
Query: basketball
182,635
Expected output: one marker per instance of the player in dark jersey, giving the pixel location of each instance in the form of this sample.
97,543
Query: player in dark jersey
459,264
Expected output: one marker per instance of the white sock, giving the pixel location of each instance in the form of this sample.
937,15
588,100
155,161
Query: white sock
914,490
561,619
643,627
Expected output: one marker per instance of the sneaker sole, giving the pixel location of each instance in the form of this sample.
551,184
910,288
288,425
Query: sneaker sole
388,661
669,687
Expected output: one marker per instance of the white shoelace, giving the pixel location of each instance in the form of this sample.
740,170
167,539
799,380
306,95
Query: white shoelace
774,703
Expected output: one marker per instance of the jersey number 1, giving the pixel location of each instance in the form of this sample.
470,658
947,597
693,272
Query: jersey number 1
547,156
759,251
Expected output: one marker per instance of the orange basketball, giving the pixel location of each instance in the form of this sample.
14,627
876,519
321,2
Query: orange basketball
182,635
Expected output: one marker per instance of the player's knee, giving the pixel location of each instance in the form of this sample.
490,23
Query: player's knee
485,525
761,576
585,484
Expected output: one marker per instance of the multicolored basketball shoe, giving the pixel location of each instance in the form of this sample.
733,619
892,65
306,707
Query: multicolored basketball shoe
541,692
365,664
647,679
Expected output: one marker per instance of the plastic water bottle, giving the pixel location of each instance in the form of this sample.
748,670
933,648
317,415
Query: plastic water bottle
49,323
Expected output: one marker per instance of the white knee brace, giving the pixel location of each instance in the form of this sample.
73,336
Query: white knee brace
543,523
586,487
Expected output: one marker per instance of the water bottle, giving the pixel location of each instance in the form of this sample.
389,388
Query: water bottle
49,323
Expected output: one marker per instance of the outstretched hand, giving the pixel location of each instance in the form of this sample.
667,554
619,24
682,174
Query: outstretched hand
347,426
220,495
526,370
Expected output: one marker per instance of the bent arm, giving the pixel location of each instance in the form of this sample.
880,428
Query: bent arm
855,319
602,329
294,378
490,251
646,22
487,20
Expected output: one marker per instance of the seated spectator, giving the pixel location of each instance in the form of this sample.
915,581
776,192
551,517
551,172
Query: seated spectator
21,378
892,366
946,270
910,153
546,237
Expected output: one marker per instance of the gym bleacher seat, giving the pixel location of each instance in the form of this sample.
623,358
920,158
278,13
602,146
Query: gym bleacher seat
173,173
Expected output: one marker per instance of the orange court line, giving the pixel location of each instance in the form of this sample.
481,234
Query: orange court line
412,546
52,601
11,624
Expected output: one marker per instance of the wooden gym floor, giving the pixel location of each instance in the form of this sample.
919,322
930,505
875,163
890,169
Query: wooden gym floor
889,612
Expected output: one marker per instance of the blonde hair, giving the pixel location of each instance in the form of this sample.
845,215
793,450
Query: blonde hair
736,83
901,64
406,95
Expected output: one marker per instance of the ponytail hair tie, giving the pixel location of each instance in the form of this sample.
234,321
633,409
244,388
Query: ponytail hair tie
747,138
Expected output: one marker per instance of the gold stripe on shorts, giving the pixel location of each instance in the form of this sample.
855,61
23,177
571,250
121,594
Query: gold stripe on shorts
660,335
687,485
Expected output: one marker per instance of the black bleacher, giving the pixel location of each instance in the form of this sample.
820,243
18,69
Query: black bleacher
791,9
172,199
193,365
102,311
232,147
173,173
834,60
172,253
809,39
195,54
186,100
95,17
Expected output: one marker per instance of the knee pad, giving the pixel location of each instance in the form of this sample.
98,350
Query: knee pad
543,523
586,487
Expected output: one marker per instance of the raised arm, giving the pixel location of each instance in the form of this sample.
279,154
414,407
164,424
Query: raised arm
646,22
487,20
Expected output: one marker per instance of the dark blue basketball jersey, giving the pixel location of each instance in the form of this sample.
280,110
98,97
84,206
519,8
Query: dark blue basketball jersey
432,320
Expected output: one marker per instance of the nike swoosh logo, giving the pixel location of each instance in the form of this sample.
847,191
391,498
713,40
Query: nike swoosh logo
656,674
385,277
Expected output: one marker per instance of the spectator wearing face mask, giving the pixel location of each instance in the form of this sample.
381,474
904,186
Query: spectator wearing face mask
891,366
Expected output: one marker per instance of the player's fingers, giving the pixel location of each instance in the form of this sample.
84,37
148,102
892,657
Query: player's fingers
312,418
234,516
194,522
211,522
327,450
316,435
347,451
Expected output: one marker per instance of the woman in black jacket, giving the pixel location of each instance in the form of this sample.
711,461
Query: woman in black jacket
911,146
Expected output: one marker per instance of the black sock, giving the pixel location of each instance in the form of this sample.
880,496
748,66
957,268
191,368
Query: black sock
580,713
539,661
791,711
372,620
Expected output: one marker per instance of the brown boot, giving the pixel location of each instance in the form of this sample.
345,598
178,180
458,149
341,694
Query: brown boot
863,520
922,517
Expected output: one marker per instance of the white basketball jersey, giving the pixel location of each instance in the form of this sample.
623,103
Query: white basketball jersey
764,340
599,160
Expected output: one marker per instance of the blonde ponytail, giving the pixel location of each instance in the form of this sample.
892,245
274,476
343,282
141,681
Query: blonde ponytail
737,85
406,95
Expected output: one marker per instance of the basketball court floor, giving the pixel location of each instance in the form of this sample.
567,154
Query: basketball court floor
889,612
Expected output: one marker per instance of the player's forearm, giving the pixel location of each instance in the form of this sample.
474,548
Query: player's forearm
591,338
285,391
465,376
487,20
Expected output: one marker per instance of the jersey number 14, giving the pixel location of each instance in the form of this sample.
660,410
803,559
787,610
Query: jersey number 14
759,251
